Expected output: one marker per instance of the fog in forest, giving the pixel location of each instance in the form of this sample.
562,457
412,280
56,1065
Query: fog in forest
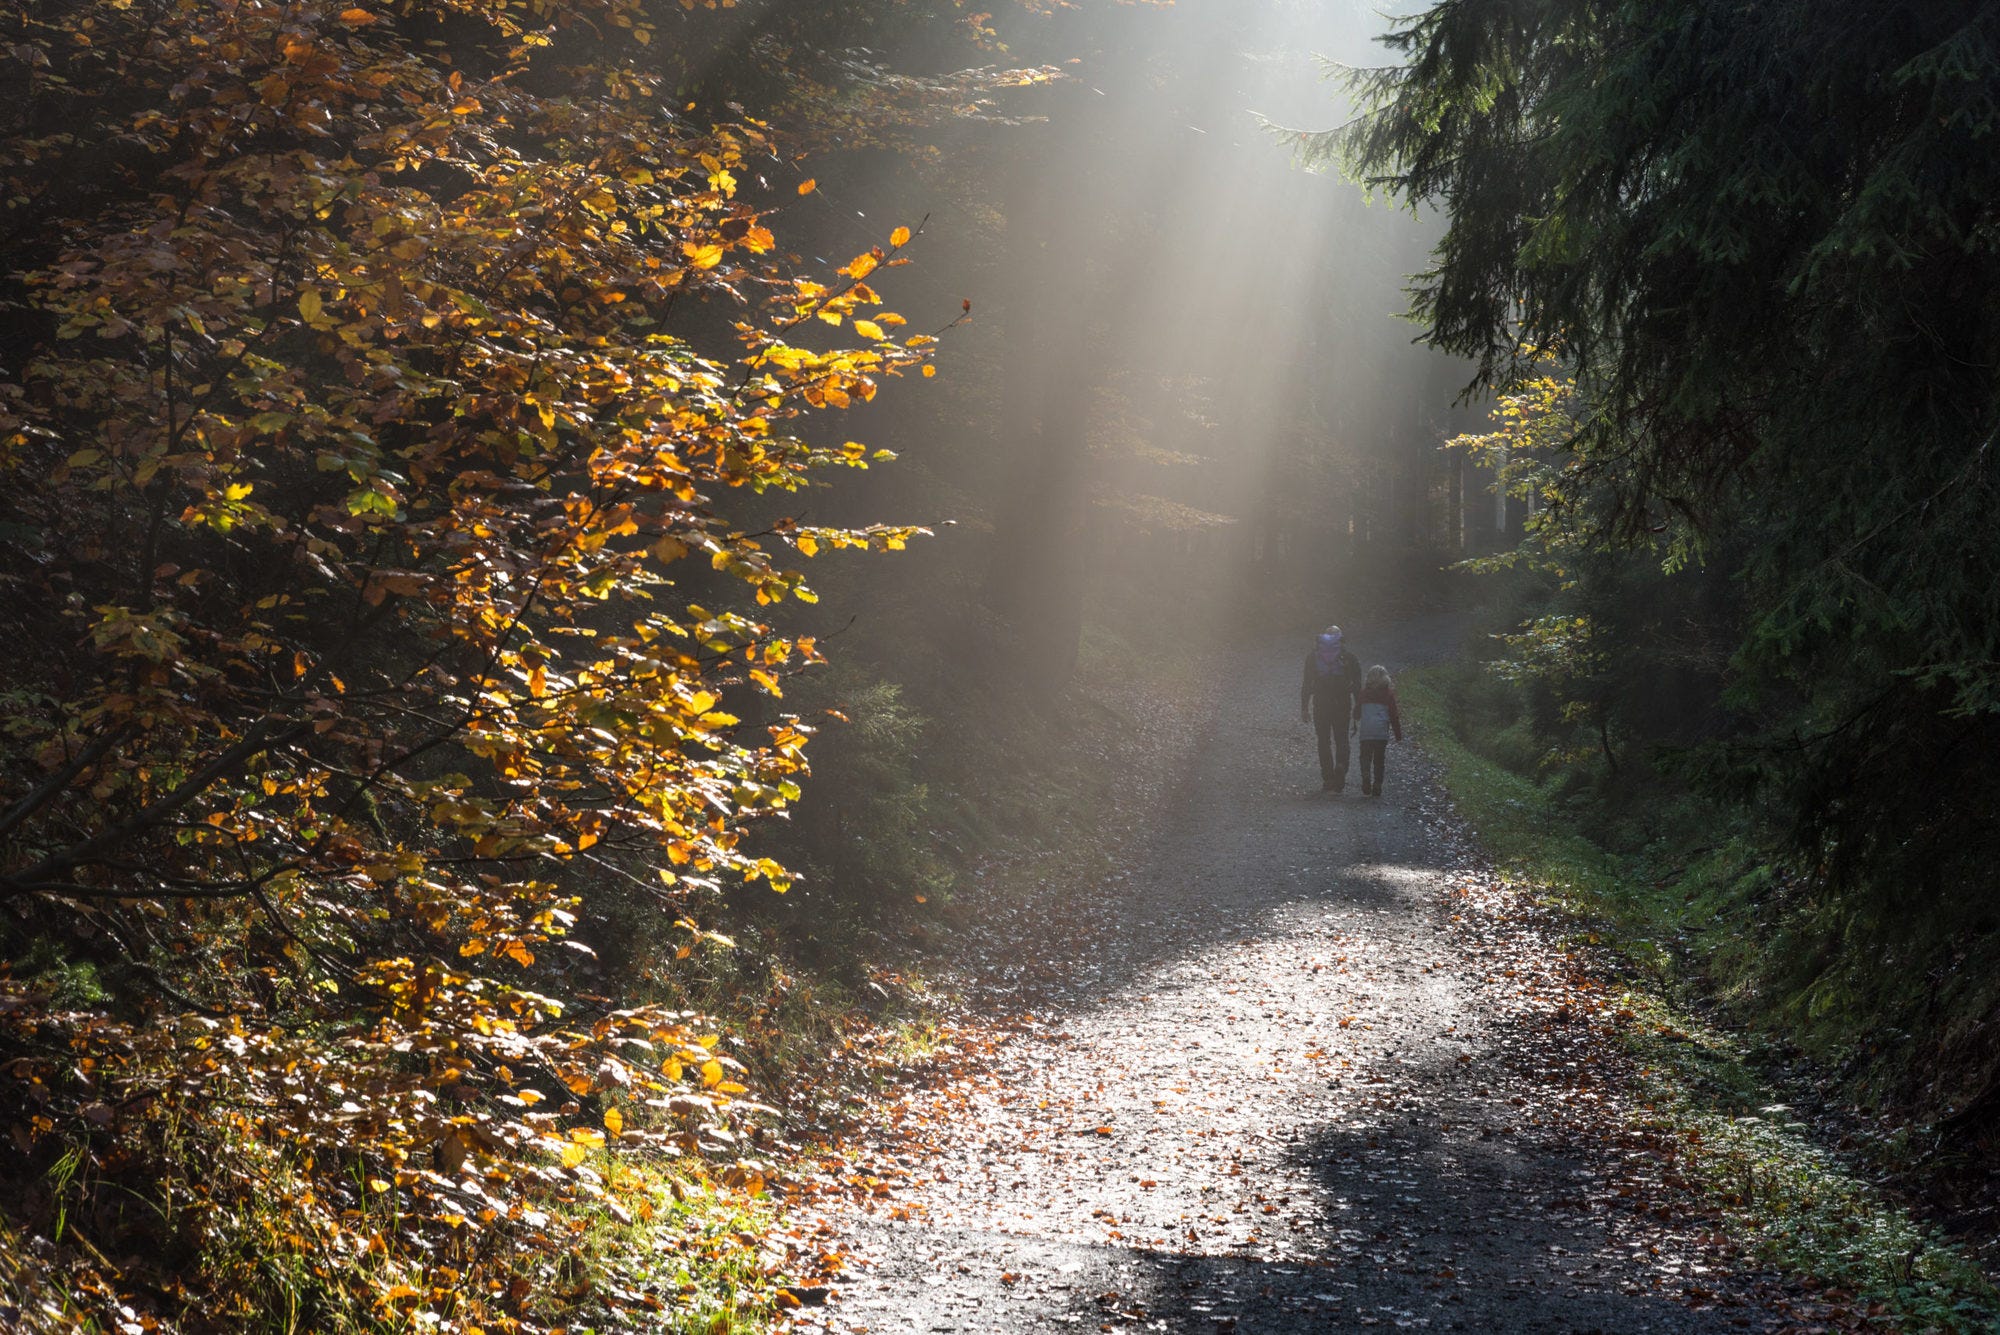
670,666
1185,381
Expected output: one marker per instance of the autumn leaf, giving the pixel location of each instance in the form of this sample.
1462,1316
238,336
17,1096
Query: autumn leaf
900,237
407,391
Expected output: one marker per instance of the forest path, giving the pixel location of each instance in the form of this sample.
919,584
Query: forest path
1286,1078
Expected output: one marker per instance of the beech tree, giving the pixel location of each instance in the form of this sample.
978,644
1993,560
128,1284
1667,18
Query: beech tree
373,379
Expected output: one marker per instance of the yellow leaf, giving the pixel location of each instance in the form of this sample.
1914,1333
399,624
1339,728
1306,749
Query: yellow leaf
808,545
929,370
614,1121
572,1155
702,256
868,329
807,186
900,237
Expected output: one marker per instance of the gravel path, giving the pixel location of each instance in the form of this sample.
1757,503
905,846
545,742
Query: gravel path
1284,1086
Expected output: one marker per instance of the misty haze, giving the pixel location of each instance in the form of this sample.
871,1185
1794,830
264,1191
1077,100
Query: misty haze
717,666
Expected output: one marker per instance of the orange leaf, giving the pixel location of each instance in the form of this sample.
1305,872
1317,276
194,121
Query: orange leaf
807,186
900,237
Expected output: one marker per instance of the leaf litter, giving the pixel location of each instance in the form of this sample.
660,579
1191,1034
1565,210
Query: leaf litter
1306,1063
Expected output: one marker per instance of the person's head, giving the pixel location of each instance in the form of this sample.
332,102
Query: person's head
1378,676
1329,639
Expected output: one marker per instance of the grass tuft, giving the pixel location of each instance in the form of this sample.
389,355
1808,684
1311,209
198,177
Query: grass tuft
1681,887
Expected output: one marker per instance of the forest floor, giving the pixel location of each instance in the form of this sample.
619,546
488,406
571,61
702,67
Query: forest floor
1306,1066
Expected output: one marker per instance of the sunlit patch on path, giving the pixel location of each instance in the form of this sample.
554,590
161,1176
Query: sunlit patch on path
1297,1083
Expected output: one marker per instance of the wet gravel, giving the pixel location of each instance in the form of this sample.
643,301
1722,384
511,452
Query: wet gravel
1282,1078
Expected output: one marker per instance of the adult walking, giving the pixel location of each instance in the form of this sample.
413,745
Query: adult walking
1327,690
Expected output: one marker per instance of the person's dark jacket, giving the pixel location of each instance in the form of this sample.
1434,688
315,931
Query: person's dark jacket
1331,694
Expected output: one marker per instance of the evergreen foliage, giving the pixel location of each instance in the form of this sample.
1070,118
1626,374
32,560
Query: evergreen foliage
1762,238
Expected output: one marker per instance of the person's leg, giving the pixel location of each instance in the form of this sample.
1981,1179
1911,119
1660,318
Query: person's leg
1325,730
1339,779
1378,753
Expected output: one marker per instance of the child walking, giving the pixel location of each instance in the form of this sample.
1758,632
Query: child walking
1376,720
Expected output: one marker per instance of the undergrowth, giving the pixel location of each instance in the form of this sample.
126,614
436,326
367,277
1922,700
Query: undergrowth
1674,891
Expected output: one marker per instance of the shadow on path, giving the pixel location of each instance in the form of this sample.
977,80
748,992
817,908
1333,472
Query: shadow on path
1266,1092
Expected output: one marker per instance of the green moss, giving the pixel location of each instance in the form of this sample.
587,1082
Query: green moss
1791,1203
1680,889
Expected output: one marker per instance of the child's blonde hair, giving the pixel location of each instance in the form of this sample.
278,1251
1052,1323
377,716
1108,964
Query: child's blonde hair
1379,676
